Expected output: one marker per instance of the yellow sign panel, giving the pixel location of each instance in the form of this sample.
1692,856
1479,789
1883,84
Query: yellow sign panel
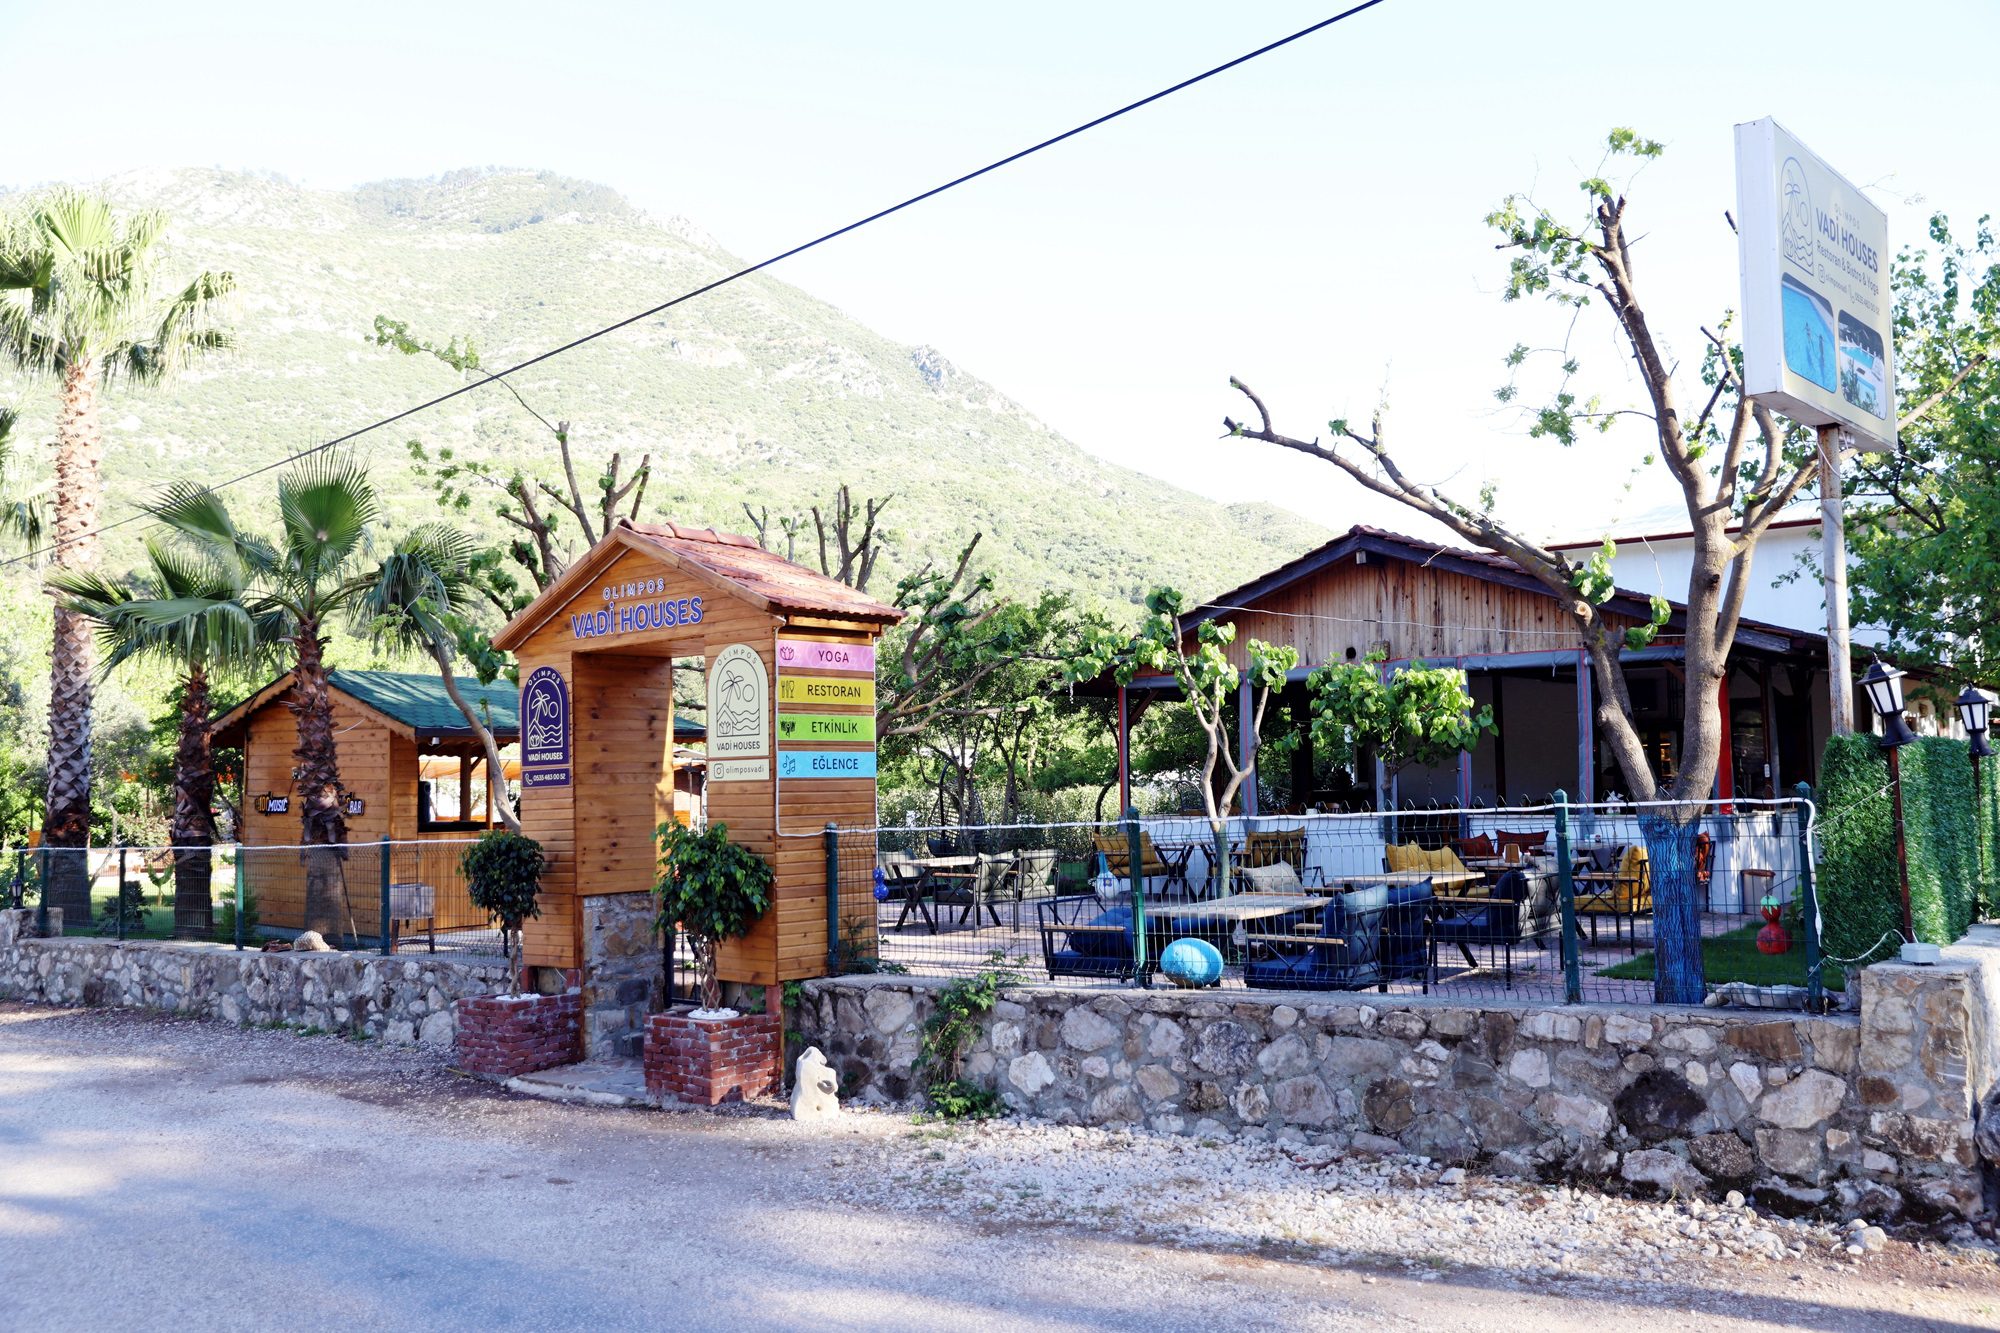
826,690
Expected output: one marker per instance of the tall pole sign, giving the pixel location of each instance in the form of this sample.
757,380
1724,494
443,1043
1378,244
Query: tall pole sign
1817,343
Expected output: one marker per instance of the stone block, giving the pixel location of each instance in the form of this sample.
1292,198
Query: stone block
1442,1138
1658,1105
1662,1171
1530,1067
1773,1043
1387,1105
1304,1100
1791,1152
1224,1048
1627,1029
889,1011
1030,1073
1808,1101
1723,1157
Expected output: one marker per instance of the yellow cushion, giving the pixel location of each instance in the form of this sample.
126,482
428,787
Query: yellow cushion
1444,861
1634,863
1405,857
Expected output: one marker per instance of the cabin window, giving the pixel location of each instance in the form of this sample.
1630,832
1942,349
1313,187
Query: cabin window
453,795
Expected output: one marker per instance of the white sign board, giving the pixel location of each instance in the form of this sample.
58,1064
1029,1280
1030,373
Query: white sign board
739,704
1816,302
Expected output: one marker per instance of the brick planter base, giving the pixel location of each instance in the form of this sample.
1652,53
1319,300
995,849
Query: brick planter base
501,1036
712,1060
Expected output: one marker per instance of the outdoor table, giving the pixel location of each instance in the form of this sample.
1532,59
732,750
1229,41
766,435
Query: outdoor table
1442,881
917,879
1240,907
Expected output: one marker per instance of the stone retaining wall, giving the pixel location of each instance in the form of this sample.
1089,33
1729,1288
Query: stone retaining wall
1871,1113
403,1000
622,978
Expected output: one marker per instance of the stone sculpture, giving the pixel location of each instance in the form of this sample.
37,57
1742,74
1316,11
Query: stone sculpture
813,1087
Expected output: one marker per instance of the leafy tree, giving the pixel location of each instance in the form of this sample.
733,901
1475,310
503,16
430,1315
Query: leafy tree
503,877
1415,714
82,302
313,574
711,888
418,599
188,612
536,508
1200,665
1728,458
1924,517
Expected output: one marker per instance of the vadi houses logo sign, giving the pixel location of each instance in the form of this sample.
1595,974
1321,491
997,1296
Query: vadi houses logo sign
545,729
739,704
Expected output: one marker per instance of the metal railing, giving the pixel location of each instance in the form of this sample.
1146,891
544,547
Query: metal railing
381,896
1371,901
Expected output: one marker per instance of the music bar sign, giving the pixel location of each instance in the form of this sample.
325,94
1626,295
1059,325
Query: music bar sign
545,729
826,763
813,655
857,727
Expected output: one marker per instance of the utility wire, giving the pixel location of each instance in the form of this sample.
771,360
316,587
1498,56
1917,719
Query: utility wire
575,343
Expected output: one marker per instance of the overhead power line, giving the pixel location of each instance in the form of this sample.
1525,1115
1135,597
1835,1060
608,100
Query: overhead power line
724,281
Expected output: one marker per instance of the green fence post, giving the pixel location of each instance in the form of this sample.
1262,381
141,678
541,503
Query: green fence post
832,836
1809,906
1572,965
239,895
388,944
20,877
1135,866
42,895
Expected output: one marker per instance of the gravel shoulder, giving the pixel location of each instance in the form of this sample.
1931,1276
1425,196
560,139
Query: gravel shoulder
163,1173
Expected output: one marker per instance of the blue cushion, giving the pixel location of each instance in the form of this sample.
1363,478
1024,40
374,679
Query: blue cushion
1103,944
1308,969
1403,925
1334,920
1469,925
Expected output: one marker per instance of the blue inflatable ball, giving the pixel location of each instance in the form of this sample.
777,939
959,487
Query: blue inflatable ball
1191,962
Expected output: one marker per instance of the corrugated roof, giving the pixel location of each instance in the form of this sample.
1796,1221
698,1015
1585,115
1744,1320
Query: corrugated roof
762,573
420,703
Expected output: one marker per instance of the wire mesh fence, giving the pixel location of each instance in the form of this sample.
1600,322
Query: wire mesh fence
1555,903
387,897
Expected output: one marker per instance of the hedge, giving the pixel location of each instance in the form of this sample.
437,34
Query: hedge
1951,864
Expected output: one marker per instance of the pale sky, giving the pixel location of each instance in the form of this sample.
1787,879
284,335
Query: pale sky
1310,222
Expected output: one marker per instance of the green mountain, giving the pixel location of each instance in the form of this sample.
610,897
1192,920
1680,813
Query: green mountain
755,394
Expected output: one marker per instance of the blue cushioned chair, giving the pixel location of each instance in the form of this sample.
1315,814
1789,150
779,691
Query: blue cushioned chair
1346,955
1081,939
1408,953
1522,907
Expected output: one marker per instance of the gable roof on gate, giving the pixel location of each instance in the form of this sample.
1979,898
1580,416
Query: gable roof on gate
408,703
731,563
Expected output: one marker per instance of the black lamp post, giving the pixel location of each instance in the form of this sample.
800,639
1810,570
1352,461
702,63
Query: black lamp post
1974,712
1885,695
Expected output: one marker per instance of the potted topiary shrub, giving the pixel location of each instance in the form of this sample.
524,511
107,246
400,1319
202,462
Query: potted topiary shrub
713,890
503,874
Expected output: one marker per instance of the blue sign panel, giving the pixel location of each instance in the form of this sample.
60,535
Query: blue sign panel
826,763
545,728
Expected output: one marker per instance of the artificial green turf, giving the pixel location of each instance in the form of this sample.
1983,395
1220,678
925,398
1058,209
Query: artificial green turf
1734,957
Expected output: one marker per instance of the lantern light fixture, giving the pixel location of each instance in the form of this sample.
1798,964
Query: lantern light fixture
1885,695
1975,713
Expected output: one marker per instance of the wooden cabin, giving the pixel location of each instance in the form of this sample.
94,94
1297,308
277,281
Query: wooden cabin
417,775
788,657
1412,600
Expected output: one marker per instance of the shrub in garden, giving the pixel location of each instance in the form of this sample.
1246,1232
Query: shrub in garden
503,874
711,889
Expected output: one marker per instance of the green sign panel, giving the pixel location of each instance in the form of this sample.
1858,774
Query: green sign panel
858,727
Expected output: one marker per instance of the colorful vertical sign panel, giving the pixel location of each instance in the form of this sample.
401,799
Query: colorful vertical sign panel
814,655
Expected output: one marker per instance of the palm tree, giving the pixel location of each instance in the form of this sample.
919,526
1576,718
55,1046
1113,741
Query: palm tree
417,601
81,302
311,576
188,611
23,513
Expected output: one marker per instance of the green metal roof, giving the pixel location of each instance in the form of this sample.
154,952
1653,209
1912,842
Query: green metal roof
420,703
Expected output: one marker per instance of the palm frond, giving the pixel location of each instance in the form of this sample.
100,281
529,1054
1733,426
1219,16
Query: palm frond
327,505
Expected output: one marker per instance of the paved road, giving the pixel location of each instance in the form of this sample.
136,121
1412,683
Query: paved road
163,1174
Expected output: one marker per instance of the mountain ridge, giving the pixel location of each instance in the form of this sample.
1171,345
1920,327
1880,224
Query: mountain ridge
758,394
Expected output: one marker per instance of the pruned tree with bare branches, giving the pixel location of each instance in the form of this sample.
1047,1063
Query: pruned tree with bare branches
1729,460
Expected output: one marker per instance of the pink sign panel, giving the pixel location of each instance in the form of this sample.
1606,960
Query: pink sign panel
807,655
